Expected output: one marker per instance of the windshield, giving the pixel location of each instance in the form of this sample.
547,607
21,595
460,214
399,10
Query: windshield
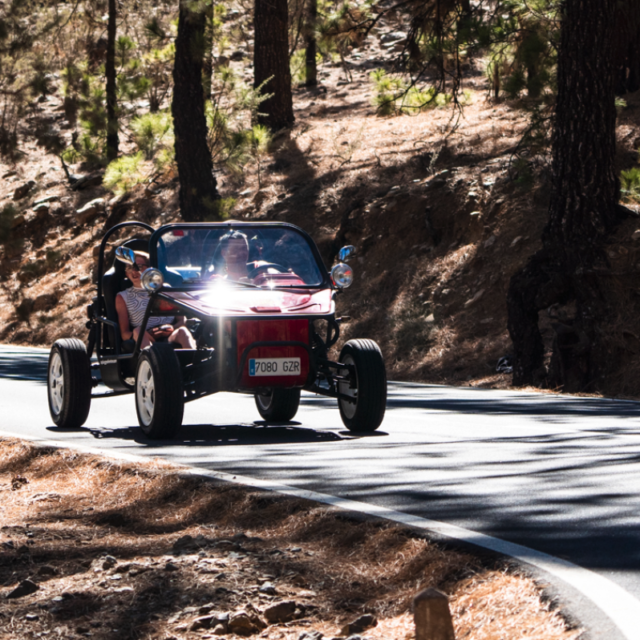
254,256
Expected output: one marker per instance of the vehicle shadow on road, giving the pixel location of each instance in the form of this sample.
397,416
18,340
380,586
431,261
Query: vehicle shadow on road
207,435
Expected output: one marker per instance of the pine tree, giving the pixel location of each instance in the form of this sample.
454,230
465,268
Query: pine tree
571,267
271,62
198,187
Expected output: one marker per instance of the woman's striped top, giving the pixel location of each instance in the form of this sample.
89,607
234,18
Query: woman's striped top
137,301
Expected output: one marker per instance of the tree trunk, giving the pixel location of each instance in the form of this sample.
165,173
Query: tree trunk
271,62
582,213
110,72
198,188
207,64
310,44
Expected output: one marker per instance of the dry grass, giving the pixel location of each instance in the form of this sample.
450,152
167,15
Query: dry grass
76,509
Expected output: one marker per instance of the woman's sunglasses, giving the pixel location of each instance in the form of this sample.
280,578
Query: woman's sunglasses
138,267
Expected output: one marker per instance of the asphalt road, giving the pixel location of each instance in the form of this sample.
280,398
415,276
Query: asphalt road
555,474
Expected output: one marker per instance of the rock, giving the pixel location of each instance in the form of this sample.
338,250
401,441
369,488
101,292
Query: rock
183,543
47,570
42,210
170,566
394,36
90,211
203,622
636,235
489,242
268,588
45,200
31,617
17,221
475,298
83,182
84,279
244,623
25,588
109,562
220,630
310,635
24,190
280,611
365,621
45,301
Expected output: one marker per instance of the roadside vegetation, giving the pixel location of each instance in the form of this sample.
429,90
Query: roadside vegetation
117,550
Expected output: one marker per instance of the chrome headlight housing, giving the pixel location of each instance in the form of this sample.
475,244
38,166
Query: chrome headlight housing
152,280
342,275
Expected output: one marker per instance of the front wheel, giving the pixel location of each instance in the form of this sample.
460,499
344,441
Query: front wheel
69,383
278,405
159,392
365,390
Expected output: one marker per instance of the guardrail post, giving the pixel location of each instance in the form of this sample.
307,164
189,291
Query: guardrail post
432,616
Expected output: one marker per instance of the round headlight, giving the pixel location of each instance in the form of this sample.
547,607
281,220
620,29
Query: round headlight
342,275
152,280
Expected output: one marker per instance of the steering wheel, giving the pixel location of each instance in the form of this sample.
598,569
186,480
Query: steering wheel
254,273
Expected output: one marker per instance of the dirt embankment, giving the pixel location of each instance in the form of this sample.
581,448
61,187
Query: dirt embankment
440,221
107,550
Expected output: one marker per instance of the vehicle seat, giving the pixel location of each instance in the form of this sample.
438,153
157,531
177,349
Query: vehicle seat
113,281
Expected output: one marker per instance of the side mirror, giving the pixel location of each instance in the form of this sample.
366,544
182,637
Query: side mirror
126,255
346,253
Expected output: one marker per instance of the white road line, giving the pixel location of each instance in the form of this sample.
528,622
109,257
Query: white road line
619,605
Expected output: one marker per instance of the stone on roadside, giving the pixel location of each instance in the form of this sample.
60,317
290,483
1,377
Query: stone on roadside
25,588
244,623
45,200
108,562
83,182
45,301
365,621
42,210
280,611
24,190
90,211
47,570
17,221
268,588
311,635
636,235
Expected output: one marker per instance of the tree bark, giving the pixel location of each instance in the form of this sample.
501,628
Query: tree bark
198,194
311,75
271,62
583,209
110,72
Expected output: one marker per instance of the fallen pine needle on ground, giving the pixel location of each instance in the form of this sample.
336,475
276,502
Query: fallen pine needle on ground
105,549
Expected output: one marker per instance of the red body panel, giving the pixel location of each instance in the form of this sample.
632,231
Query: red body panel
249,331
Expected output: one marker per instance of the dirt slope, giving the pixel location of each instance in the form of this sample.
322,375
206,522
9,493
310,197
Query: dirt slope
440,223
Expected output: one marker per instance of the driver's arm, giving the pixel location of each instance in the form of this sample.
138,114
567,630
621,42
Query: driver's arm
123,318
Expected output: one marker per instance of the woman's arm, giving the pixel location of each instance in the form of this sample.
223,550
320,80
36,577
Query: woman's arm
123,318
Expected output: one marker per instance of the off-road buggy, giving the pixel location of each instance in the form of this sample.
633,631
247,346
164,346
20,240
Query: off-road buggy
268,333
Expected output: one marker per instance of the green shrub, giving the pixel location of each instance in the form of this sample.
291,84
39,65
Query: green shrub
630,185
153,132
125,173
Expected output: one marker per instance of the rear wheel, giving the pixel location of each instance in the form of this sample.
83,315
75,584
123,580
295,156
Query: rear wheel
366,386
69,383
159,392
278,405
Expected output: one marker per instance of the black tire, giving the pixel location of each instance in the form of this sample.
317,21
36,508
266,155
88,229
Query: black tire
159,392
368,386
279,405
69,383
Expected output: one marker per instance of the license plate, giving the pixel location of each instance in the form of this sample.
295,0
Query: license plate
274,367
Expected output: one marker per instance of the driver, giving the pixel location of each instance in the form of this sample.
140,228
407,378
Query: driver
131,305
233,256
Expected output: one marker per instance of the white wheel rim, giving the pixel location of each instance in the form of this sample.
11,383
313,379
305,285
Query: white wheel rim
264,400
145,393
348,408
56,383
